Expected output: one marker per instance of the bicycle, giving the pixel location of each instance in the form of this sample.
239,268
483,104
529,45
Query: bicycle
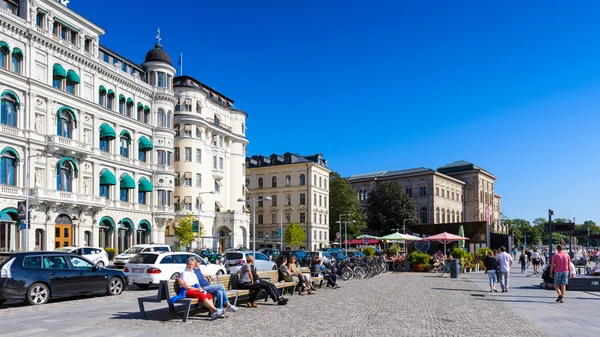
444,268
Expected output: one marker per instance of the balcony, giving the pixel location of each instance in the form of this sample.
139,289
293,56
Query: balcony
62,197
165,209
11,191
218,174
165,168
7,130
141,207
68,146
219,124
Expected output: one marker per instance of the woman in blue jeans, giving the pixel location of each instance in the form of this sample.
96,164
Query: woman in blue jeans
491,265
523,260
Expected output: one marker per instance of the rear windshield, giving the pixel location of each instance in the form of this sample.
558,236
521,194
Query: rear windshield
63,250
234,256
144,259
4,259
134,250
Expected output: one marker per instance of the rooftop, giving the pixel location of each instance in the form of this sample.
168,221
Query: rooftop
285,159
390,174
460,166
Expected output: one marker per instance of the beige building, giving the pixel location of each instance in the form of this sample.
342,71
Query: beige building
458,192
299,190
210,147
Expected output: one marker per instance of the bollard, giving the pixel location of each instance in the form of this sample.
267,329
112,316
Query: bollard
454,268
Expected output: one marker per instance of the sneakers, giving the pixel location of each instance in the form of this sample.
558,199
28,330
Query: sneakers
282,301
217,314
252,304
232,308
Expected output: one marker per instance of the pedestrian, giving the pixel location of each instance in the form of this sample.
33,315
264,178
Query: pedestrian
523,261
535,260
528,253
547,256
514,251
504,263
560,268
491,268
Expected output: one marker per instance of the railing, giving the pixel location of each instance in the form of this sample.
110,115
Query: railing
8,130
76,198
141,207
7,190
71,143
165,209
11,16
219,124
218,174
165,168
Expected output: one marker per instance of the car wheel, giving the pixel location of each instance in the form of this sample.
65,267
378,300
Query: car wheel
220,272
174,276
115,286
100,264
142,286
38,294
274,267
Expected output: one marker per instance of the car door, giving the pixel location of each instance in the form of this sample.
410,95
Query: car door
92,254
87,279
262,262
60,275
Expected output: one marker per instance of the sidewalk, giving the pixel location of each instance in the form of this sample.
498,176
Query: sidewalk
578,316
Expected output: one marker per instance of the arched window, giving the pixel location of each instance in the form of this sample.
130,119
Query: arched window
437,215
274,182
59,75
122,102
443,215
161,118
110,98
102,96
125,140
8,167
129,107
146,114
64,123
302,180
10,104
457,217
4,52
17,60
453,218
198,108
72,81
260,182
366,192
288,181
169,116
423,214
144,145
65,175
126,183
448,216
314,179
107,133
320,182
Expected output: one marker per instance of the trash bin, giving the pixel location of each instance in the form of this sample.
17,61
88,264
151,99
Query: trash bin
572,255
406,265
454,268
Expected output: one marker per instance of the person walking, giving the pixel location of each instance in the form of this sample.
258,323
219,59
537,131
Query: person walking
560,268
547,256
523,261
528,253
535,260
491,268
504,263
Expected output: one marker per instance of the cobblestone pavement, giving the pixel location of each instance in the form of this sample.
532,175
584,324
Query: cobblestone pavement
401,304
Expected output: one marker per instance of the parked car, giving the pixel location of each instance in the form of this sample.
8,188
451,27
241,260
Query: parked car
121,260
37,277
337,252
235,259
273,252
323,255
97,255
210,254
150,268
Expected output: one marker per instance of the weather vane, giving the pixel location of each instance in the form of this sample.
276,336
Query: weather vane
158,37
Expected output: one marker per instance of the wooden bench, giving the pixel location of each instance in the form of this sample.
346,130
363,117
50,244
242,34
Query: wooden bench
313,279
170,288
231,283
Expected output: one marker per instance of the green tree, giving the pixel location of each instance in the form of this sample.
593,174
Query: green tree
294,235
343,200
184,232
388,206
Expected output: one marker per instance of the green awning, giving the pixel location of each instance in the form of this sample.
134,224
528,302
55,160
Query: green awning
66,24
13,95
127,135
4,44
107,222
11,152
18,51
72,161
110,92
144,224
102,90
70,111
72,76
126,224
129,101
107,131
121,97
42,10
107,178
58,70
144,185
146,108
145,144
126,182
140,106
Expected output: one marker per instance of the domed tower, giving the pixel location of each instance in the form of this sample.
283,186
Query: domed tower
159,74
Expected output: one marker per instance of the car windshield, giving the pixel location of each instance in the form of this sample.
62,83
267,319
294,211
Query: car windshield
234,256
144,259
63,250
134,250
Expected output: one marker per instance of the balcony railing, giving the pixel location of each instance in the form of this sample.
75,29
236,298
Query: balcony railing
219,124
70,145
10,190
7,130
43,194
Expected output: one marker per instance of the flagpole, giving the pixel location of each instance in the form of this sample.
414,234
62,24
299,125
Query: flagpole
181,64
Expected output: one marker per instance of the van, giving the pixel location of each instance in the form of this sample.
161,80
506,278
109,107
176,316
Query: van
121,259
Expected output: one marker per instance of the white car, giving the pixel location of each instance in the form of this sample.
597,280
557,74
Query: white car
96,255
148,269
122,259
235,259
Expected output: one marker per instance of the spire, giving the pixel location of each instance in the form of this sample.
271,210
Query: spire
158,45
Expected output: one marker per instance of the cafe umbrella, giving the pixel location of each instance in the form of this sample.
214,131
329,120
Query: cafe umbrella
445,238
395,237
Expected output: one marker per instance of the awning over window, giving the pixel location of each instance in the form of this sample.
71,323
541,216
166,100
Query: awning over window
70,160
219,204
126,224
110,93
70,111
72,76
13,95
102,90
107,178
188,101
17,51
145,144
126,134
146,108
107,131
187,175
129,101
145,225
144,185
12,152
107,222
188,200
175,199
58,70
126,182
121,97
140,106
4,45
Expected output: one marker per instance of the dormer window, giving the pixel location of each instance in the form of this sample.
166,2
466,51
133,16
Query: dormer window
87,45
40,18
198,108
10,5
161,80
65,31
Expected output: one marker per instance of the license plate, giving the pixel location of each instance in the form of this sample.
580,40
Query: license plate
138,270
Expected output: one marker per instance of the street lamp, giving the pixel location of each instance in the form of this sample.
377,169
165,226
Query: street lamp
266,239
253,200
281,226
340,222
27,168
199,208
345,232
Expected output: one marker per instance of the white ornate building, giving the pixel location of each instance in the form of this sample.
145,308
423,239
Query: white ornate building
93,128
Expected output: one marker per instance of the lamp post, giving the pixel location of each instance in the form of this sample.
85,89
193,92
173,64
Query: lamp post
340,222
27,168
253,200
281,226
550,214
266,239
199,208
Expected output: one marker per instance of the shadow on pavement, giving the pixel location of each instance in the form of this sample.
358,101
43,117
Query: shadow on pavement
469,290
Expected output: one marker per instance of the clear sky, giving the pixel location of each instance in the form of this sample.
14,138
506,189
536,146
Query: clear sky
511,86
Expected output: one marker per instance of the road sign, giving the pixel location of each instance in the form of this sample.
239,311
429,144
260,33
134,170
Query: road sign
23,225
338,235
563,227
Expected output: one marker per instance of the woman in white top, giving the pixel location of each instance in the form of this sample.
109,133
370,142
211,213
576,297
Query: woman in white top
535,259
189,281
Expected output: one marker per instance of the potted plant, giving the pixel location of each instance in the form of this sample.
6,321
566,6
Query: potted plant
111,252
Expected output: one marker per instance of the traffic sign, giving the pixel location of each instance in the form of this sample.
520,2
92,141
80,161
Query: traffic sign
338,235
23,225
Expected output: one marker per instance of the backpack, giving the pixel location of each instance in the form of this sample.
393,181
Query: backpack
522,258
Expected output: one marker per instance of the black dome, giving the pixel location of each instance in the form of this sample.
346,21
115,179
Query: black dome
158,54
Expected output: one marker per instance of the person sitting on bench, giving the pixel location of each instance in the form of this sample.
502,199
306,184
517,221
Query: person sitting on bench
189,281
595,270
249,280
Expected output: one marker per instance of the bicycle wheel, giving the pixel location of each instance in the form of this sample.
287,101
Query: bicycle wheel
359,272
384,267
346,273
440,270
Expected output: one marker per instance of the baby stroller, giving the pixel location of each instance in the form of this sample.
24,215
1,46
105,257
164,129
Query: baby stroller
547,278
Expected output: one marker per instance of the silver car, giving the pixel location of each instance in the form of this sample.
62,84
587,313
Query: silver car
235,259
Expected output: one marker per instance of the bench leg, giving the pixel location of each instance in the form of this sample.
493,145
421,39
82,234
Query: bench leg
186,312
236,299
142,311
171,307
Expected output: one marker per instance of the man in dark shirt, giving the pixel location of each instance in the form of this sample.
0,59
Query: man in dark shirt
250,280
217,291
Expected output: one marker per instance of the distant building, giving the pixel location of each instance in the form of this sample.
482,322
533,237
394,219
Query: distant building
457,192
299,190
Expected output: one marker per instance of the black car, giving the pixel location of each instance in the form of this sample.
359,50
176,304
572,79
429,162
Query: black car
211,255
38,276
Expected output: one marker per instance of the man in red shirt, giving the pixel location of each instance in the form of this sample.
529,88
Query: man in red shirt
561,268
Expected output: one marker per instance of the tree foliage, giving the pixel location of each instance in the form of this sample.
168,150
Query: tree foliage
294,235
388,206
183,230
343,200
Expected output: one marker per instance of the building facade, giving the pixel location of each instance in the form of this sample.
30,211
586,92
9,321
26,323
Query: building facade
210,153
86,135
457,192
299,190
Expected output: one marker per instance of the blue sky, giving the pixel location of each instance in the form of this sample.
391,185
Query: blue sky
511,86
